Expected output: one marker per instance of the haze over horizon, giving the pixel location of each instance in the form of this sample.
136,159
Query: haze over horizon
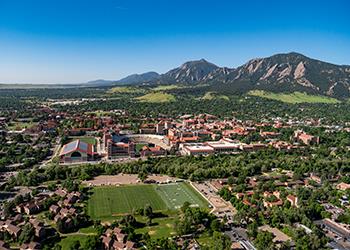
75,42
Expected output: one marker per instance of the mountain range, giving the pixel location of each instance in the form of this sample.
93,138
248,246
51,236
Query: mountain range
279,73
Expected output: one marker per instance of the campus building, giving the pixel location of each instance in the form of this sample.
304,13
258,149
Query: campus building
115,148
76,151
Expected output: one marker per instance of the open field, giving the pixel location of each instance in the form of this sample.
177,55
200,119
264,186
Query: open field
21,125
176,194
168,87
161,226
67,241
109,202
156,97
213,95
295,97
124,90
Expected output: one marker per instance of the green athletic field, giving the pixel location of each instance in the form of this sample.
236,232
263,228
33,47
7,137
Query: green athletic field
111,201
108,202
176,194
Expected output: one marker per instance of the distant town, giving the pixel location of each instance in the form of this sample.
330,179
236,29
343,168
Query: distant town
110,179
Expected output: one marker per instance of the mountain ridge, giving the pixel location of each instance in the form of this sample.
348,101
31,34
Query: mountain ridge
282,72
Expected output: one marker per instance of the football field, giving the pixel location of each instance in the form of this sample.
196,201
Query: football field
110,201
176,194
107,202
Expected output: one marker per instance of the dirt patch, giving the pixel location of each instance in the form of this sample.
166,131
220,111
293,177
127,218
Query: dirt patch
126,179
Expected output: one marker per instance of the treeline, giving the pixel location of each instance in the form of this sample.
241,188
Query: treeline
301,161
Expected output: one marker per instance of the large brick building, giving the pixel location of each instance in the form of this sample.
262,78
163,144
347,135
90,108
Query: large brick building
76,151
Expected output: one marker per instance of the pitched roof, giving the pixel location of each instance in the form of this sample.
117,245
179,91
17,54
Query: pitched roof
76,145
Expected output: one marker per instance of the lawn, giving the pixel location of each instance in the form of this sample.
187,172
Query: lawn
168,87
161,227
124,90
295,97
213,95
106,203
68,240
21,125
176,194
156,97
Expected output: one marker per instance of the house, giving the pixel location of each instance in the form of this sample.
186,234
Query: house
61,192
272,199
39,228
4,245
343,186
293,200
13,230
118,245
307,139
54,209
76,151
120,237
31,208
129,245
30,246
107,242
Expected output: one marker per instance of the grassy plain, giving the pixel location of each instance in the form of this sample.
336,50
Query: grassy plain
295,97
124,90
156,97
176,194
109,202
213,95
168,87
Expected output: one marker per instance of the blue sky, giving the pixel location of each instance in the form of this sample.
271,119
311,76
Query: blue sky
70,41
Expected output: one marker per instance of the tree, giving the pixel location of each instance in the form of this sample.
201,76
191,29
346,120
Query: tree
142,176
252,229
264,240
220,241
91,243
27,234
215,225
148,212
74,245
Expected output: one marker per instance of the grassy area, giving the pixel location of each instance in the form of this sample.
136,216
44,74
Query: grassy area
124,90
205,240
87,139
108,202
175,195
213,95
156,97
67,241
88,230
20,125
168,87
162,227
295,97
